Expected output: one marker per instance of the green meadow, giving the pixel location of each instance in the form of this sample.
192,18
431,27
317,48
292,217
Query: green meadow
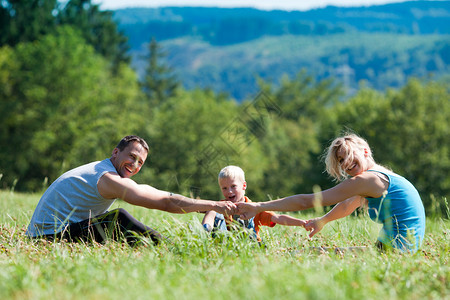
192,265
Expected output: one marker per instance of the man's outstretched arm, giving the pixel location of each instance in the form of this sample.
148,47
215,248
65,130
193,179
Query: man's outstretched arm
111,186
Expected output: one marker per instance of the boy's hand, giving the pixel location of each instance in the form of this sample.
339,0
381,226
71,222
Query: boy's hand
287,220
246,210
314,226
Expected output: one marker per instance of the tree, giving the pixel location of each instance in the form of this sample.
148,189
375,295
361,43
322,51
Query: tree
26,20
74,111
288,146
194,135
98,28
29,20
408,130
421,135
159,82
296,141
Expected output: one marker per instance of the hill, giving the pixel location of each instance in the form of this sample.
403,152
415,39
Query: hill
226,49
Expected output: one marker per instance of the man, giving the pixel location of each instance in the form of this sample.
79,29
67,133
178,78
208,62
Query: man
75,206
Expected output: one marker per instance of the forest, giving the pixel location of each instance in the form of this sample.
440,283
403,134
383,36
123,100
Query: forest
68,94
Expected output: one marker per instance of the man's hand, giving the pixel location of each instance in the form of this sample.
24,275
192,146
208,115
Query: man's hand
246,210
314,226
226,208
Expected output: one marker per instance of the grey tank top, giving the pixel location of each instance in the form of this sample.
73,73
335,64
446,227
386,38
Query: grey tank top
73,197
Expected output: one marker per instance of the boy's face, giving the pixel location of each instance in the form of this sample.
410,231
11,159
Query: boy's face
233,189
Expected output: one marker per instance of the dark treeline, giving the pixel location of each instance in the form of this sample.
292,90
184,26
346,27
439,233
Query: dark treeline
224,26
25,21
63,105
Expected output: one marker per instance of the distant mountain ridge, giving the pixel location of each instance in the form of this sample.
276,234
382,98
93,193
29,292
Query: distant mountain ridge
223,26
227,48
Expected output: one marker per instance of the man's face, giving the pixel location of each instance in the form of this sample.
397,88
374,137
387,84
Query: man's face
129,161
233,189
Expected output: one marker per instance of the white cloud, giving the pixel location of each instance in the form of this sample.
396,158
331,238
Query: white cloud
261,4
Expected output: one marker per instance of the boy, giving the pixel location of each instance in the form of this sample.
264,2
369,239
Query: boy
232,183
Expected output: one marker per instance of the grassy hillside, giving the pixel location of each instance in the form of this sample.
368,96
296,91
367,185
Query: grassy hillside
380,59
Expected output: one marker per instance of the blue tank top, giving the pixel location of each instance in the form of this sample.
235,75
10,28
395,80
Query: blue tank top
73,197
401,212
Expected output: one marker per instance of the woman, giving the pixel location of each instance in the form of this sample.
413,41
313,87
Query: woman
391,199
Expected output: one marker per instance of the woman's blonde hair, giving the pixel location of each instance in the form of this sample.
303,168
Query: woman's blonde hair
352,145
232,172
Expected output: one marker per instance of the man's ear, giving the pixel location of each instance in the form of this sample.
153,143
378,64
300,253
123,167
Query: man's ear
115,152
244,185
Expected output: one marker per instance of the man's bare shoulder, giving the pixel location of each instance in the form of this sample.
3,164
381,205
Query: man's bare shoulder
111,185
110,176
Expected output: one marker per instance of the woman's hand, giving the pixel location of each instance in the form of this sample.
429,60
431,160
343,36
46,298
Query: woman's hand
247,210
314,226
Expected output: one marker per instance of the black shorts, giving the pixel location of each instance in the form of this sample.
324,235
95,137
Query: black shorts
117,224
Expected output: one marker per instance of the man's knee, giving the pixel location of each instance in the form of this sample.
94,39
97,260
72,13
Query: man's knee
122,213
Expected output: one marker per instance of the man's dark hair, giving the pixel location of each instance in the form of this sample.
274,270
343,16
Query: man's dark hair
130,139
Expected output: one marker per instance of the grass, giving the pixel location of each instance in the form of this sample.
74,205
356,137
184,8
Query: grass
192,265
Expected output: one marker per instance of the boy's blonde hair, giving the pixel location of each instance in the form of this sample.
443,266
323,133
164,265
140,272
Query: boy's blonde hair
352,145
232,172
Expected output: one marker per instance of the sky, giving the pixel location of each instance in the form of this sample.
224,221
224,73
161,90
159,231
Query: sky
260,4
